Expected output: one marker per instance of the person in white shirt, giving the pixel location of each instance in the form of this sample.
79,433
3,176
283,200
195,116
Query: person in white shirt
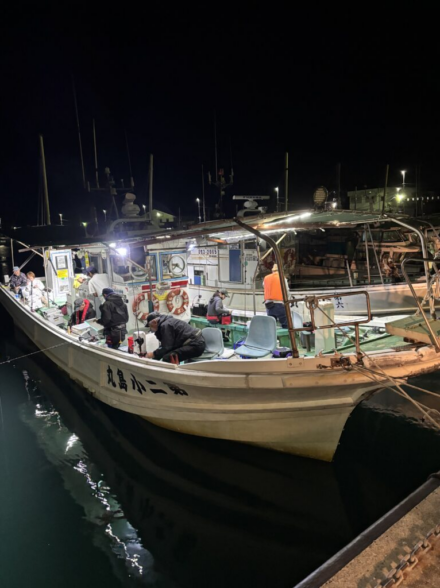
97,283
33,293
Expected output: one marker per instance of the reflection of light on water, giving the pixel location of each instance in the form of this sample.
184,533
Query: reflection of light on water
64,449
132,559
72,440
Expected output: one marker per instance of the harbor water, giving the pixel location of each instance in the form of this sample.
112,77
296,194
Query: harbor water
90,496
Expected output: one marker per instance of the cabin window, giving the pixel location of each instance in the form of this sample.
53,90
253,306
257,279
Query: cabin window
173,265
151,266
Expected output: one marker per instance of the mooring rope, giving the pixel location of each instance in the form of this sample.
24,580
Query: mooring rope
34,353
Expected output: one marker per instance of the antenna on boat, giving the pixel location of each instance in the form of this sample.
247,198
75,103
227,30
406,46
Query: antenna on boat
219,175
79,133
46,192
96,155
286,181
129,161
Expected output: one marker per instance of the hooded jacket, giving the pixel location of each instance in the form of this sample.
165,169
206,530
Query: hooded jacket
215,306
172,334
78,316
114,312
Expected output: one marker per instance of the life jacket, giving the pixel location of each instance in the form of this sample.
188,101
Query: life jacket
272,287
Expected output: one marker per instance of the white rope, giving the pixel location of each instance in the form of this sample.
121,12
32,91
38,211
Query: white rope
34,353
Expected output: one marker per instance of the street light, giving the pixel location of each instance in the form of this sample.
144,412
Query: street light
105,215
403,172
198,204
145,209
61,218
277,190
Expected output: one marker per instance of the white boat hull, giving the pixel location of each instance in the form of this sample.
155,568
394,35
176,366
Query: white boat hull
298,406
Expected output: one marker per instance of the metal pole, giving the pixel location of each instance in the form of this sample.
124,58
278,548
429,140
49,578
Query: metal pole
279,260
433,336
260,259
385,189
349,272
96,155
423,243
367,254
287,183
150,187
375,254
46,193
79,133
12,252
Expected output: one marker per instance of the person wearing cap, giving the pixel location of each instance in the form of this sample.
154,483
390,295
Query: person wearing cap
114,317
82,311
216,309
273,296
97,282
18,280
178,340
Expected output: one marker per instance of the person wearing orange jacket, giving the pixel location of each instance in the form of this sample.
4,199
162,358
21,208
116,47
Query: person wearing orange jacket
273,297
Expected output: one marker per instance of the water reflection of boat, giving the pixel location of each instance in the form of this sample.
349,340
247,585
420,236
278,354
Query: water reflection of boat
211,513
221,514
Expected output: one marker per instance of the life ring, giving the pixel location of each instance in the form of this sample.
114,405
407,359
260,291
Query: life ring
184,301
136,306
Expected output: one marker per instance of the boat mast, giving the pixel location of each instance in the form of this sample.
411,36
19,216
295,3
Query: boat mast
203,196
385,189
46,193
286,183
96,155
79,133
150,187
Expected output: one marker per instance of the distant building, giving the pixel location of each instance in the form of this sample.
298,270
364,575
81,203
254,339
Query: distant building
402,199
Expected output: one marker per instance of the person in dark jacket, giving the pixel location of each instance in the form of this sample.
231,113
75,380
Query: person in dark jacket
215,307
82,311
114,318
178,340
18,280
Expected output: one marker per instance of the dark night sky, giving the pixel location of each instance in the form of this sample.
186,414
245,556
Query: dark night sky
329,87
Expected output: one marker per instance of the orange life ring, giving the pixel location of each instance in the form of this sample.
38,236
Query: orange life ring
175,309
138,299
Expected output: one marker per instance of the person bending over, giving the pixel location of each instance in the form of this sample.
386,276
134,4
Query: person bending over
177,338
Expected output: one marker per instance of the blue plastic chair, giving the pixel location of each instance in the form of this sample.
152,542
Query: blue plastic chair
214,344
261,339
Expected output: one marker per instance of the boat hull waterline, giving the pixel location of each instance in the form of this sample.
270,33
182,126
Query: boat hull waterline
298,406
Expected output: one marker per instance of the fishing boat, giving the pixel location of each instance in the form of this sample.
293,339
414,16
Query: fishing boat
288,400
